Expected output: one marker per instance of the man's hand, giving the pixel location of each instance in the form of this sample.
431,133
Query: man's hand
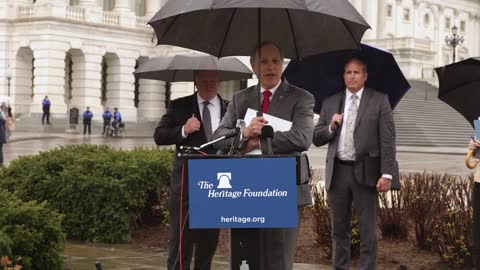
251,144
384,184
336,121
474,143
254,130
191,125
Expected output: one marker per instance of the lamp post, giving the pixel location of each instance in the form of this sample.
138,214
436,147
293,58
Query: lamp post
454,40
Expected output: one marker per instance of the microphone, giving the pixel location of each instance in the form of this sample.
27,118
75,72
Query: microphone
266,140
259,113
238,133
224,137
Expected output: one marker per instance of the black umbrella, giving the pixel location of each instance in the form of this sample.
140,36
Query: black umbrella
234,27
322,75
460,87
181,68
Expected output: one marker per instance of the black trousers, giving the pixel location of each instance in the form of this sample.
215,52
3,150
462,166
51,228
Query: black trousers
476,225
46,114
87,125
106,123
204,240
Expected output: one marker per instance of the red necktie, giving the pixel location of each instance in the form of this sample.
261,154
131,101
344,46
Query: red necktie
266,100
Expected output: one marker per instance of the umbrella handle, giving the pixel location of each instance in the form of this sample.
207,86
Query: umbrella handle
469,156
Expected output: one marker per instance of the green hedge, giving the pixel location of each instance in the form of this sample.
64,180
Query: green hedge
100,190
31,232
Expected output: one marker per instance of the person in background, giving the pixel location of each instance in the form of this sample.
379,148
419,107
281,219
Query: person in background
87,121
190,120
357,124
10,122
3,135
117,119
474,145
46,110
107,119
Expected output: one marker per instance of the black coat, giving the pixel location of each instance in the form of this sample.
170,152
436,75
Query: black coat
169,131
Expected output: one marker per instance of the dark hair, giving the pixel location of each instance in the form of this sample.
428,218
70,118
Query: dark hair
256,50
358,60
9,110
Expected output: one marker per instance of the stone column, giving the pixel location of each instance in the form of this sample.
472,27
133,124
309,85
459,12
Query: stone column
49,73
120,82
152,7
93,12
121,6
127,16
152,100
181,89
87,3
86,80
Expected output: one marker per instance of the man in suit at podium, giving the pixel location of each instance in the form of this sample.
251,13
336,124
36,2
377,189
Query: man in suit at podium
276,97
357,123
190,121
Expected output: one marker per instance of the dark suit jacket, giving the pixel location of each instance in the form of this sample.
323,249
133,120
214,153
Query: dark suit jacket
169,131
290,103
374,137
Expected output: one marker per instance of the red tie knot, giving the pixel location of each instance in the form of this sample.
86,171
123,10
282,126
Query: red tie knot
267,94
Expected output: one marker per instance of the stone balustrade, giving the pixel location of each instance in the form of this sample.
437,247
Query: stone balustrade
75,13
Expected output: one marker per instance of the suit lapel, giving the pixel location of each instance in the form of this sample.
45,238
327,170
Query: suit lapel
363,105
281,94
253,98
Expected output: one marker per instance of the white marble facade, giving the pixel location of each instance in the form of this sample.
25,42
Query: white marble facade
83,52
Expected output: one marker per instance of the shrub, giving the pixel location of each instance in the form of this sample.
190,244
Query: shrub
425,198
30,234
393,223
101,191
451,237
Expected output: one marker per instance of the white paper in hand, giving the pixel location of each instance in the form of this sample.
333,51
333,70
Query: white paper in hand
278,124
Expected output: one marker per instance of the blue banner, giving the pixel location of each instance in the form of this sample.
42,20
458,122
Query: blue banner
242,192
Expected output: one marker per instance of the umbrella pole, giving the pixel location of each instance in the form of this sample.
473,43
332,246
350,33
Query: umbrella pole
259,56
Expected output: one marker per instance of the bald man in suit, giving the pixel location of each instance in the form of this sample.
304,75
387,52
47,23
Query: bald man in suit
357,124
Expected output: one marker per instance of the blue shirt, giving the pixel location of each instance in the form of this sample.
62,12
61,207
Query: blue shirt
107,115
117,117
88,115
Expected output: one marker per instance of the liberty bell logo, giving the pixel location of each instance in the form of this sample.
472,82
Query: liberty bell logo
224,180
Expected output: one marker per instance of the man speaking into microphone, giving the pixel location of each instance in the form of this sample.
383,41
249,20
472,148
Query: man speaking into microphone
283,100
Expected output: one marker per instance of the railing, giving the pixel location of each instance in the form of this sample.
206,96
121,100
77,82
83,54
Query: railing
75,13
402,43
25,11
142,23
110,18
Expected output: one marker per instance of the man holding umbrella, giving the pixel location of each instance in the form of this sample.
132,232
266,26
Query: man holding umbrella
190,121
281,99
357,124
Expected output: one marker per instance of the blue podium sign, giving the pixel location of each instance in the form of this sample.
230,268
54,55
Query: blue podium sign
243,192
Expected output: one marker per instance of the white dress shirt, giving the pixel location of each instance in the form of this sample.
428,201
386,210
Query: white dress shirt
341,140
215,108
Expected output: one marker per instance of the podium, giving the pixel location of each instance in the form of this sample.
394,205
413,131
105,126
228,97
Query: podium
245,193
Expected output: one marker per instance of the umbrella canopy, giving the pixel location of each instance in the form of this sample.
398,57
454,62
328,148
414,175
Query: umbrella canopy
181,68
460,87
234,27
322,75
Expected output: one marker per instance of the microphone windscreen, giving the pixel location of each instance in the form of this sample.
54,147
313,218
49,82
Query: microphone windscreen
259,113
267,131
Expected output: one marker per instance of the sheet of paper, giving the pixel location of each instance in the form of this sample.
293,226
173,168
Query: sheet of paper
278,124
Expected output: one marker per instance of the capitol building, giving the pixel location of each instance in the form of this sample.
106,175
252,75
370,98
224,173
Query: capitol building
83,52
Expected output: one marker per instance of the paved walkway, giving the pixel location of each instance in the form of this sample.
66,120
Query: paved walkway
411,159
